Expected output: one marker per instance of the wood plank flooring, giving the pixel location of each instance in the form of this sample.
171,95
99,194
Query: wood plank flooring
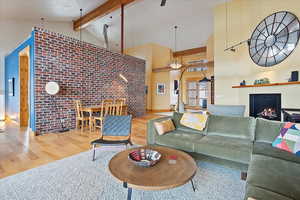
20,151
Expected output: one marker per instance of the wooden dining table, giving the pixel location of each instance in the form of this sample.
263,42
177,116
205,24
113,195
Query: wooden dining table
98,108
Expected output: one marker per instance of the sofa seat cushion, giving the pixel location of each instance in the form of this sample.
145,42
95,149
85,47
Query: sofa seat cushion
234,149
277,175
189,130
179,140
263,194
266,149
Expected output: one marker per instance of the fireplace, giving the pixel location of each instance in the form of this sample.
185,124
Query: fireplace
266,106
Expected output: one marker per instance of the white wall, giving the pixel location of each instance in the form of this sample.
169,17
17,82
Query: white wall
14,32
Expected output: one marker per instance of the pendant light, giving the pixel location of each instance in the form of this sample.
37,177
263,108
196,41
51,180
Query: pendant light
175,64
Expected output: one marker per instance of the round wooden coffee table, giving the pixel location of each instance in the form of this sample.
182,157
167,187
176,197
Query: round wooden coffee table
163,175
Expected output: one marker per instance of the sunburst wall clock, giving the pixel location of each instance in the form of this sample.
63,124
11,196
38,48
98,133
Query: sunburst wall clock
274,39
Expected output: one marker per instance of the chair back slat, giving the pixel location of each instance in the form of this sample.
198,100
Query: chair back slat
109,107
102,112
119,108
119,105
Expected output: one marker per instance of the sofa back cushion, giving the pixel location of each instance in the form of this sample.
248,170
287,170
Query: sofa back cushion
267,130
236,127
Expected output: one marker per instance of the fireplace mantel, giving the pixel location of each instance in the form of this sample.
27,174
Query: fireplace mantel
268,85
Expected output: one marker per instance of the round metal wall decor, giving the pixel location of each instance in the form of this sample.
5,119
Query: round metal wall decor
52,88
274,39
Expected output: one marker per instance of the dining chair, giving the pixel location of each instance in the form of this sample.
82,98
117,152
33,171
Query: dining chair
98,120
121,100
116,130
81,119
108,101
109,107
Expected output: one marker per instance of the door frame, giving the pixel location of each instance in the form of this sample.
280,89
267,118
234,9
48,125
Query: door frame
25,52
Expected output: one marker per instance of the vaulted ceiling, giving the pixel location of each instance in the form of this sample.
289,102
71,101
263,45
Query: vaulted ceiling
145,20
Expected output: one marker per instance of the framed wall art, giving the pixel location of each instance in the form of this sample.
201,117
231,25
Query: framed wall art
11,87
160,89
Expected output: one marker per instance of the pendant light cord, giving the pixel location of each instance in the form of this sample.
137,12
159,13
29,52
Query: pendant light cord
175,27
226,18
175,45
80,32
81,51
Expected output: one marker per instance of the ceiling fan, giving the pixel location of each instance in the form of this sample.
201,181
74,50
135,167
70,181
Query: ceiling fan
163,3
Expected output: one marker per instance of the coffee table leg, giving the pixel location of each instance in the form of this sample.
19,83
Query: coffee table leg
129,190
193,185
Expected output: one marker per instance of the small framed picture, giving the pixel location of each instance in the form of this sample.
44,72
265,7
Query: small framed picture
11,87
160,89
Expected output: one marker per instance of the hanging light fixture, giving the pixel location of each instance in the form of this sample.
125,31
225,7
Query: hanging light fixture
175,64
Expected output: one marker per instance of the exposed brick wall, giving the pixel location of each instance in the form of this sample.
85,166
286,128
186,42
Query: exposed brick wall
84,72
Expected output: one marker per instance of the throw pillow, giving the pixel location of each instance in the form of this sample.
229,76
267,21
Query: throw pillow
164,126
194,120
289,138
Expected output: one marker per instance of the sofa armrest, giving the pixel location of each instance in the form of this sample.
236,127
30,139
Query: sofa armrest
151,131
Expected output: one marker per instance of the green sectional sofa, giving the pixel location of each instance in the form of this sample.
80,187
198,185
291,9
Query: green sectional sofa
229,138
272,174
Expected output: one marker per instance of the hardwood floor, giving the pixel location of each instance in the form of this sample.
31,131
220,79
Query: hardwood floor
20,151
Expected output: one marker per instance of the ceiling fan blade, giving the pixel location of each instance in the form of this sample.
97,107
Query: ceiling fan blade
163,2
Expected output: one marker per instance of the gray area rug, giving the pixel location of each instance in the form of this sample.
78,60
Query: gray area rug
78,178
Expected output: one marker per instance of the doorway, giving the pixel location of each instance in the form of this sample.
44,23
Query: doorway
24,68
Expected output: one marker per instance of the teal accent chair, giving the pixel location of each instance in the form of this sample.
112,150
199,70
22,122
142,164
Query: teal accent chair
116,130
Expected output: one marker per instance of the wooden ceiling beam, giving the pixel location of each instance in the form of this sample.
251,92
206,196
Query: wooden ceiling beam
104,9
189,52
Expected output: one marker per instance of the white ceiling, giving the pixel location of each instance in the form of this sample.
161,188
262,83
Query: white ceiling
51,10
145,20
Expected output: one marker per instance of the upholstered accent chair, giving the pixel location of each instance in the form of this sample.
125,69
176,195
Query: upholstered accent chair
116,130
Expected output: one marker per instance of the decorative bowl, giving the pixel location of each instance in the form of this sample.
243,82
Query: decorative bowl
144,157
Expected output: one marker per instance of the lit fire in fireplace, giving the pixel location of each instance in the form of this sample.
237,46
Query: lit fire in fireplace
269,113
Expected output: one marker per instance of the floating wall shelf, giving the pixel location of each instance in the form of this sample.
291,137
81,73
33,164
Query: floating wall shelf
268,84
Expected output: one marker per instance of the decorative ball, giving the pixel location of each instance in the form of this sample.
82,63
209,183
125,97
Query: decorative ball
52,88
